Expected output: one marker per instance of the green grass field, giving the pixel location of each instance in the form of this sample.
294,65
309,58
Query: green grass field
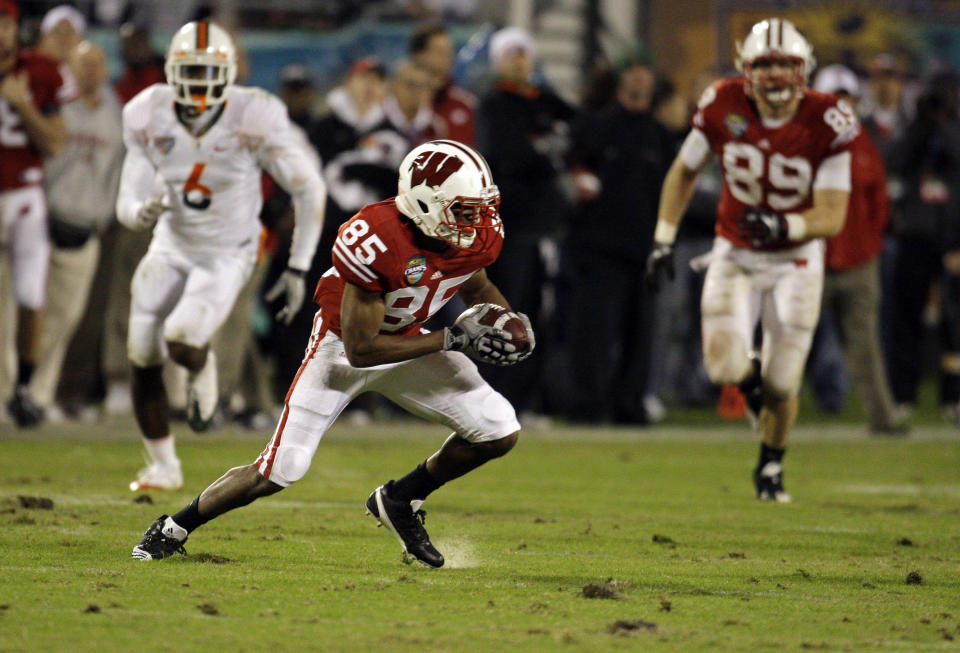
661,523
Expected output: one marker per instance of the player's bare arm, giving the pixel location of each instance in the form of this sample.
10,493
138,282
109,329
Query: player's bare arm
361,315
478,289
675,194
678,187
47,133
828,213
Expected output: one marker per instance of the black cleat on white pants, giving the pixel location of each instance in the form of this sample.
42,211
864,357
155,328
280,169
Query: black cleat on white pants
405,520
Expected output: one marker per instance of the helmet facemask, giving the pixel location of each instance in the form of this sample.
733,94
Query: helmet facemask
200,85
776,79
463,217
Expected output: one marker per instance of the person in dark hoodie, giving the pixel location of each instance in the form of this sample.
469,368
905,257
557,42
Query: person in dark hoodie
620,154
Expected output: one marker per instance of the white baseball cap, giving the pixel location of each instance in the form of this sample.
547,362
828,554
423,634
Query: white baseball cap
837,78
508,39
60,13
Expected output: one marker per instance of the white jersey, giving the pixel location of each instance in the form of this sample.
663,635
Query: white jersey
211,181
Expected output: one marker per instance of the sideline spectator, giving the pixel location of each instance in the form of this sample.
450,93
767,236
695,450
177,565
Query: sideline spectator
522,130
851,290
296,91
927,160
407,105
677,371
61,30
621,154
81,191
30,94
142,65
432,48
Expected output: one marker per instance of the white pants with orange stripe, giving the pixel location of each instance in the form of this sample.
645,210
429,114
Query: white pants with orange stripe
443,387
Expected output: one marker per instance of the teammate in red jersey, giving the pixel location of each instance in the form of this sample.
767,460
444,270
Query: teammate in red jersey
785,156
30,129
395,264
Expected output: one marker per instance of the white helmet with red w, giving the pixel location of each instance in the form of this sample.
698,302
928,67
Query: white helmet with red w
447,190
201,64
775,41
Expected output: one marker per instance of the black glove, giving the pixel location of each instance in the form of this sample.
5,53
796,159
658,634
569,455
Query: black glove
659,264
761,227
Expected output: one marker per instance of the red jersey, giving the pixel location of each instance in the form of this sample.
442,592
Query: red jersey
771,167
21,163
868,213
377,249
455,108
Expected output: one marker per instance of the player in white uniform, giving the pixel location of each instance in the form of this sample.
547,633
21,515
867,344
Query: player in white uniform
196,147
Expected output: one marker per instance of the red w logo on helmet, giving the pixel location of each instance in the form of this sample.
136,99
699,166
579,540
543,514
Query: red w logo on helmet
434,168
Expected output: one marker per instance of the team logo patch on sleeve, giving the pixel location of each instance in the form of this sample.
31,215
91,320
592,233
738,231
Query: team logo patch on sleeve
736,124
164,143
415,269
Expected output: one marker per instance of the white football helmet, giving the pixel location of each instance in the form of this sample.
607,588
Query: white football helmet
447,190
201,64
770,41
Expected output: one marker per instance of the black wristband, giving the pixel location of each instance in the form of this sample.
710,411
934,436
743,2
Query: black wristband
299,273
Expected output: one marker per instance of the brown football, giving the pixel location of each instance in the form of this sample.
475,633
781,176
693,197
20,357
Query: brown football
499,317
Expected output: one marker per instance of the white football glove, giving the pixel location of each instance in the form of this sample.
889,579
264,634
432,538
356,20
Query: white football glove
291,284
149,213
478,341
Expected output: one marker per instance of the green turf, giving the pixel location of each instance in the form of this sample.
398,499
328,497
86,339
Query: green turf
663,518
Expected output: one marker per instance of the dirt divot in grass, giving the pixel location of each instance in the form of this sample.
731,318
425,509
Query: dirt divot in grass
665,540
41,503
610,589
628,625
93,608
913,578
209,557
208,608
144,498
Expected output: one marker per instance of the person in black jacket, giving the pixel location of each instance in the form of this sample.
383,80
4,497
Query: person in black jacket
927,231
621,154
521,130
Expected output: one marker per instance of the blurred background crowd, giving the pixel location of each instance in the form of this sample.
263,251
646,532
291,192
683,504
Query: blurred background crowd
579,106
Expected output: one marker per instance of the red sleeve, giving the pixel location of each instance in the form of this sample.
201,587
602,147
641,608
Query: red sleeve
843,125
45,82
715,106
364,252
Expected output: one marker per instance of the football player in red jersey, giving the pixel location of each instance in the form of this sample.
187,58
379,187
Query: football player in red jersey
784,151
30,129
395,263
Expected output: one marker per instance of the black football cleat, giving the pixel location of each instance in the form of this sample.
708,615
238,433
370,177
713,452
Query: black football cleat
768,479
405,520
22,408
156,544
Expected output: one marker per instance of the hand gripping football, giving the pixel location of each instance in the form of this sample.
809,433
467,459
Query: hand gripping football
492,334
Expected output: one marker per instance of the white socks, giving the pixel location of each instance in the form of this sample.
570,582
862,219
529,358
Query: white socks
172,529
162,451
